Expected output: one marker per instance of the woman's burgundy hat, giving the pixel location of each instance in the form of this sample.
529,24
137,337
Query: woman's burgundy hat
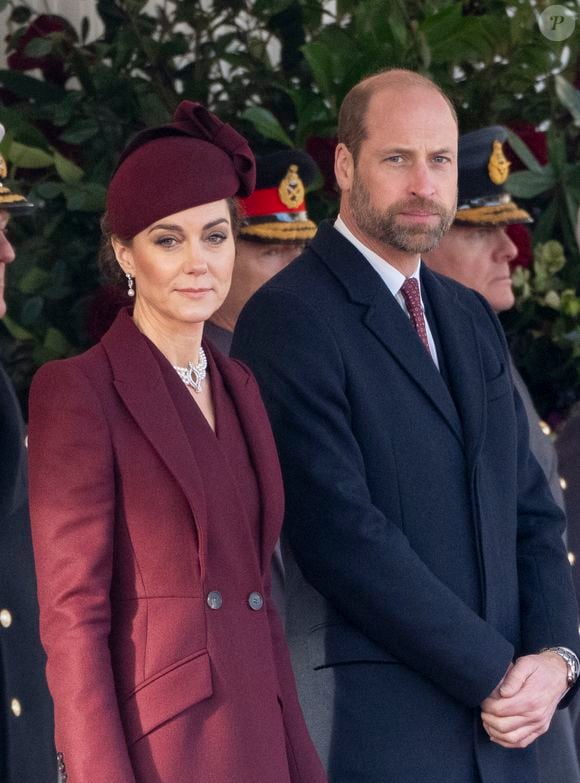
196,159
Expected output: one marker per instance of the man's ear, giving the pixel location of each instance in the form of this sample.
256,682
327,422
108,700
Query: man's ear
343,167
124,256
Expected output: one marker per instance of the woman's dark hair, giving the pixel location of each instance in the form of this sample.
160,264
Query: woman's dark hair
107,261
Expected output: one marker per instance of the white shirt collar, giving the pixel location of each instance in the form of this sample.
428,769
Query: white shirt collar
391,277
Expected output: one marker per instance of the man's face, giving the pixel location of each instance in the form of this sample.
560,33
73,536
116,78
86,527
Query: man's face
402,191
479,258
257,262
7,256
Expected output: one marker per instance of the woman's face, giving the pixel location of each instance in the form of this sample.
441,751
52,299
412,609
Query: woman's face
182,264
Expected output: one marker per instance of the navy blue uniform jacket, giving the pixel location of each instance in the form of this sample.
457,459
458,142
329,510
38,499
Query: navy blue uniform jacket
427,544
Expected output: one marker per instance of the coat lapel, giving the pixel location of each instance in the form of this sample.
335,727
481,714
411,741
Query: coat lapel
253,419
385,318
458,337
139,383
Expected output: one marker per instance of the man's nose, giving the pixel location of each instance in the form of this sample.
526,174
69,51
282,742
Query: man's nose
422,180
507,249
7,254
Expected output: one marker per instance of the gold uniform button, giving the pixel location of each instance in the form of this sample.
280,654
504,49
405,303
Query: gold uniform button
16,708
5,618
571,558
545,427
563,483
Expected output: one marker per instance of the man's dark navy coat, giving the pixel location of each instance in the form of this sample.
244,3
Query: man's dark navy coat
428,551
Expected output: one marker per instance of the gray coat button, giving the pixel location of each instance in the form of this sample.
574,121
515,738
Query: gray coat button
255,601
214,599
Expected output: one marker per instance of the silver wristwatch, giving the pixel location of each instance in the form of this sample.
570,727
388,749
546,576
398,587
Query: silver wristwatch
571,659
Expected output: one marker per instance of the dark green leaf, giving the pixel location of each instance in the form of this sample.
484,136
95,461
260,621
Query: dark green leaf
28,157
569,97
153,109
82,71
85,28
32,311
572,180
49,190
544,227
527,184
56,343
68,171
523,152
86,197
80,132
571,208
556,150
268,8
22,128
34,280
18,332
39,47
27,87
320,60
444,23
20,15
266,124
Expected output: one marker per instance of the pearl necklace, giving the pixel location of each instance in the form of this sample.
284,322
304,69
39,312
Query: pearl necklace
194,374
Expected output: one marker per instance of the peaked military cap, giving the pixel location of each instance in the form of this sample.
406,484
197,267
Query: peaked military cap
10,201
276,210
483,171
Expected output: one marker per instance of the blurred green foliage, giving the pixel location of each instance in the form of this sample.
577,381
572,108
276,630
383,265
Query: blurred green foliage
278,71
545,328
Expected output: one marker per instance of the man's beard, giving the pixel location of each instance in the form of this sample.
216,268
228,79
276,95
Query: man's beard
382,225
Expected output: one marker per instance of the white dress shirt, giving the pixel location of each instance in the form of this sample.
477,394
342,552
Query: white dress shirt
390,276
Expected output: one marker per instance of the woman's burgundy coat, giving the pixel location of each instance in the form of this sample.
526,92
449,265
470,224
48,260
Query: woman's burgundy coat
120,537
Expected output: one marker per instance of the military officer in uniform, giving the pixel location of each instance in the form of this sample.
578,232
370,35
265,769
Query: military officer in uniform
274,231
27,752
477,252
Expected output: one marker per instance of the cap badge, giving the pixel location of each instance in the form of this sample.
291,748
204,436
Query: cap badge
3,168
498,166
291,189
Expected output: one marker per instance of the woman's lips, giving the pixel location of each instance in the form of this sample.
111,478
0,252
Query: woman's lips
193,293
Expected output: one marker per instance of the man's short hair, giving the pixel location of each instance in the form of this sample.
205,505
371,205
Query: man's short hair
352,129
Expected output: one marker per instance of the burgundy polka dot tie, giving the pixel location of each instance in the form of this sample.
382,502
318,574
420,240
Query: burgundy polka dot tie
410,291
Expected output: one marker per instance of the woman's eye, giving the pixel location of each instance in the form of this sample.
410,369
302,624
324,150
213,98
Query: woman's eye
217,237
166,241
